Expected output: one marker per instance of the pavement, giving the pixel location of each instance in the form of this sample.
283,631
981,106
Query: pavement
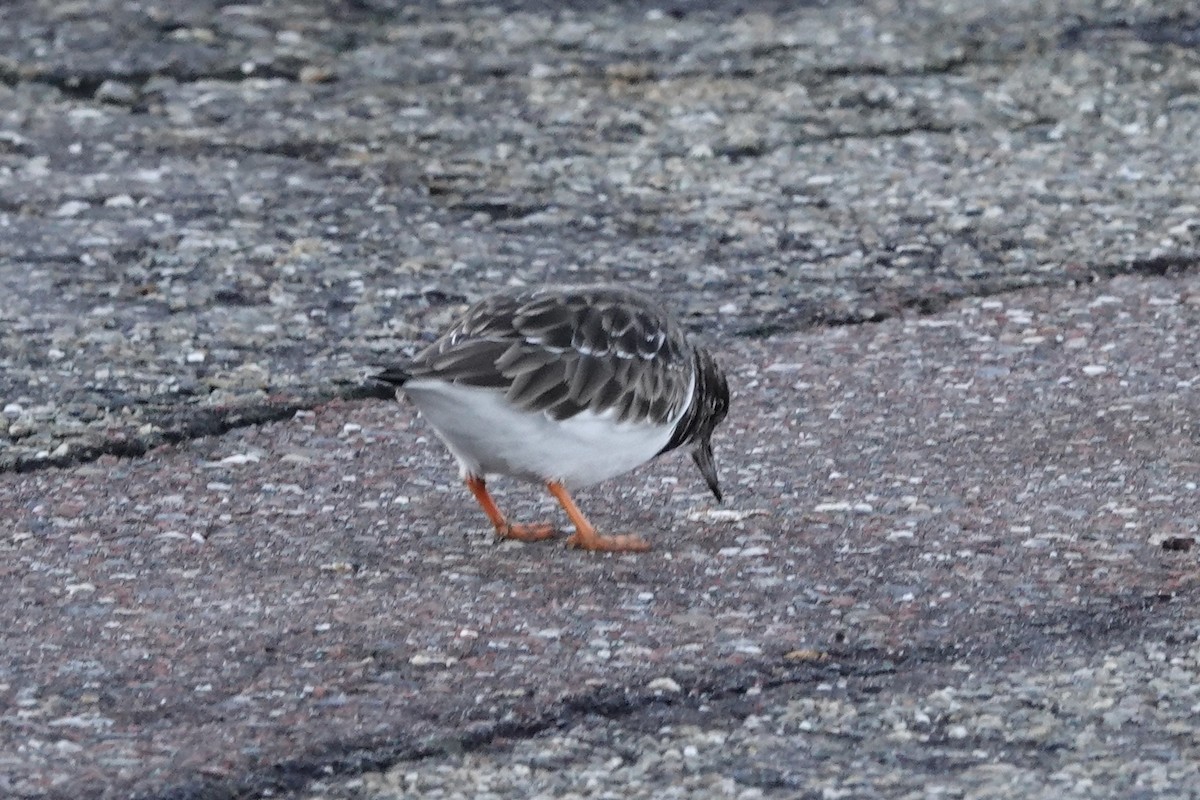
948,252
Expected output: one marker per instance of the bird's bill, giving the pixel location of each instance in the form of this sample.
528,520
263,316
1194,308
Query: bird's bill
703,456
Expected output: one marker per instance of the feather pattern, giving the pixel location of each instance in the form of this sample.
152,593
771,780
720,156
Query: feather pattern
566,351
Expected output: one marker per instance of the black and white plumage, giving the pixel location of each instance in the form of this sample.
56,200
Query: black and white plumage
567,387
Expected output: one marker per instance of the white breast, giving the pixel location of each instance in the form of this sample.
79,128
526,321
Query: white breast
489,437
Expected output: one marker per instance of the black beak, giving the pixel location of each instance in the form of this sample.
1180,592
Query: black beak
703,456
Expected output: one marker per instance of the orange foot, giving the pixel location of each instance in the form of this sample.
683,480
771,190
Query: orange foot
504,528
586,537
622,543
537,532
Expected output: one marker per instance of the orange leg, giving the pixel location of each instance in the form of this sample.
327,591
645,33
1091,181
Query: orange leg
585,536
504,528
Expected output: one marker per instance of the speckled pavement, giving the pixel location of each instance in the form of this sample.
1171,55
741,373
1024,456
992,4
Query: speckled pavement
948,250
215,214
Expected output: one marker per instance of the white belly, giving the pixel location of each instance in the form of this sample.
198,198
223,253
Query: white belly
490,438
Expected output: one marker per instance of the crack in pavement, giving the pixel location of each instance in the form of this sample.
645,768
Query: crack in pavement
200,422
183,423
894,303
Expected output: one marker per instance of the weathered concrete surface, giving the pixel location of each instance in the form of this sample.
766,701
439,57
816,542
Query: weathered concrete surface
215,215
1003,487
205,205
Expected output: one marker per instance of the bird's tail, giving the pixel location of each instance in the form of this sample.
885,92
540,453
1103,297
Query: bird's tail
397,375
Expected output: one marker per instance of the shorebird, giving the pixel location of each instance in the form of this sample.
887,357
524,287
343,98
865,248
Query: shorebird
566,387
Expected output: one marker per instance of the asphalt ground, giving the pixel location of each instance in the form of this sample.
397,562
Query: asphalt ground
947,252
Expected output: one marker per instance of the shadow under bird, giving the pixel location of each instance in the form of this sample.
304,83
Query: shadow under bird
566,387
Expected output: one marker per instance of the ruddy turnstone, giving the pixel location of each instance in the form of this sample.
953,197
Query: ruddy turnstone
566,387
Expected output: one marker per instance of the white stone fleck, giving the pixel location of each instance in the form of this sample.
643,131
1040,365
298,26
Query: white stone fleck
71,208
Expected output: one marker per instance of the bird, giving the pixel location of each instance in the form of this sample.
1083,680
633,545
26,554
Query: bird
565,387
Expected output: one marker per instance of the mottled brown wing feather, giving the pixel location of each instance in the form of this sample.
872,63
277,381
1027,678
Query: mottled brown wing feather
588,375
566,351
471,362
